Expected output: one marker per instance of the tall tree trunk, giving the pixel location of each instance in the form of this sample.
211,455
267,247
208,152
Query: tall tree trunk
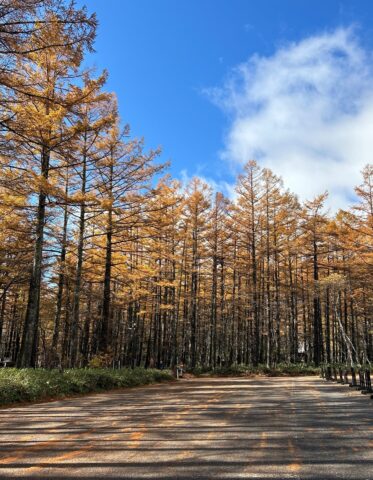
79,266
317,332
28,352
106,304
2,316
193,309
61,276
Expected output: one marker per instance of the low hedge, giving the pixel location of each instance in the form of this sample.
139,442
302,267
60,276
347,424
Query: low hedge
25,385
282,369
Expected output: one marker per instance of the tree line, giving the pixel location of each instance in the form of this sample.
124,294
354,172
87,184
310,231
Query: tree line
107,260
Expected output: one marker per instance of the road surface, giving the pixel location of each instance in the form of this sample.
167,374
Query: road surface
214,428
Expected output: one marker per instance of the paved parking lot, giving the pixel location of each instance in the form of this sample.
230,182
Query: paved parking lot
205,428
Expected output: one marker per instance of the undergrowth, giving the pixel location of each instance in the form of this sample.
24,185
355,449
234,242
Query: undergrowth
37,384
281,369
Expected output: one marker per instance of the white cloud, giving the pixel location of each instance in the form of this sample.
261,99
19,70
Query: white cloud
306,112
226,188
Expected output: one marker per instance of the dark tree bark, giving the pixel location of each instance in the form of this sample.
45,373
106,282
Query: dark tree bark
27,356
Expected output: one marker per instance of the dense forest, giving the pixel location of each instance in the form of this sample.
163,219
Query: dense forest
106,260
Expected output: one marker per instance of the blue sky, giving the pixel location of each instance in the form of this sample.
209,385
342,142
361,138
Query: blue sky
188,74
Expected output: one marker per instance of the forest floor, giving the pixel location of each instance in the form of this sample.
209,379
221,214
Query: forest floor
200,428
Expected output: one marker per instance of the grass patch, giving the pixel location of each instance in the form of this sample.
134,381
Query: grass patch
280,370
27,385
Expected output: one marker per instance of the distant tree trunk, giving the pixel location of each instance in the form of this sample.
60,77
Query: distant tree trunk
214,288
106,304
61,276
254,278
327,326
2,316
317,326
86,329
193,309
74,331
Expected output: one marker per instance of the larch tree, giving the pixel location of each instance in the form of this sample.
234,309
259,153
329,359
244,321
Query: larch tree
313,227
196,211
37,129
124,182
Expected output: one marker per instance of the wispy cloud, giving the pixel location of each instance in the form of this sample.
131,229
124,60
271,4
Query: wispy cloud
306,112
226,188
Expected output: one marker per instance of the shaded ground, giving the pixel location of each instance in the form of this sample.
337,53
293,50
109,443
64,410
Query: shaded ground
213,428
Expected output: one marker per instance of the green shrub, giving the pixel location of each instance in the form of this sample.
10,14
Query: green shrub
38,384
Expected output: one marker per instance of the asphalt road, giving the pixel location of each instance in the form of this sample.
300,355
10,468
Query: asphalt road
221,428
